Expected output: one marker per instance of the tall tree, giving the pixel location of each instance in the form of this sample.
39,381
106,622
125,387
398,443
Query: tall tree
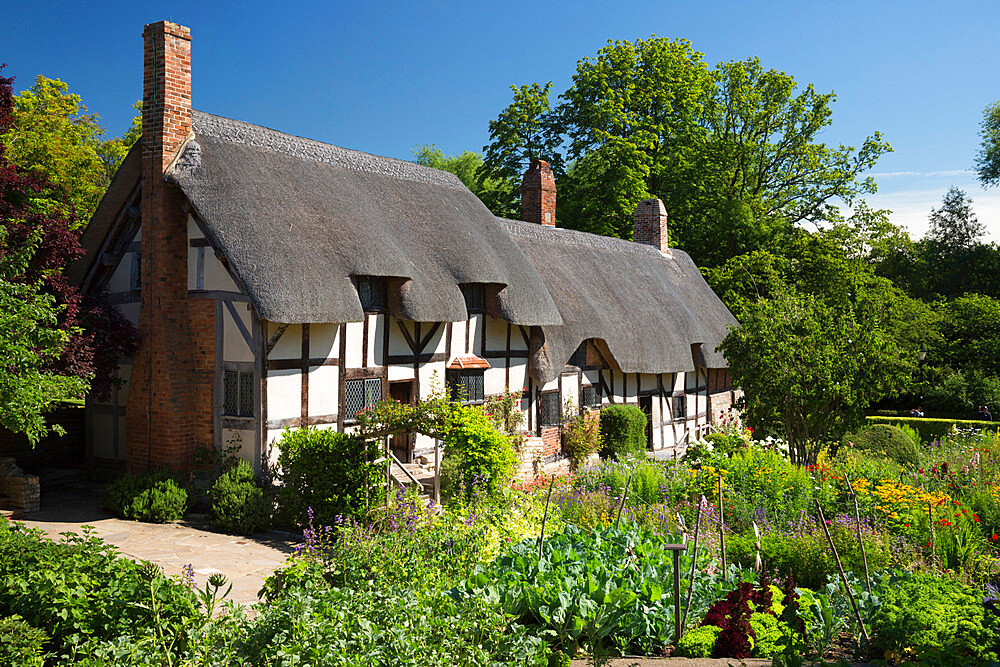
31,334
733,151
955,226
500,196
988,157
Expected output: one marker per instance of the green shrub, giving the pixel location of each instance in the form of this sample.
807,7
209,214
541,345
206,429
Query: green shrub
332,473
888,441
20,643
581,436
934,617
934,429
699,642
725,444
239,504
79,589
769,631
155,497
483,457
623,430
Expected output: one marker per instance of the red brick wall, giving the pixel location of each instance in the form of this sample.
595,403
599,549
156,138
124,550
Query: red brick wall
651,224
552,437
170,401
538,194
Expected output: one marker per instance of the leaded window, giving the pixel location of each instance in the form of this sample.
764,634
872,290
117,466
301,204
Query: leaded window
680,407
590,396
549,410
361,394
474,297
372,292
237,393
466,386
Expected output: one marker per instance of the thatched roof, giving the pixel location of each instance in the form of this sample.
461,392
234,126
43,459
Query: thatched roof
297,218
655,313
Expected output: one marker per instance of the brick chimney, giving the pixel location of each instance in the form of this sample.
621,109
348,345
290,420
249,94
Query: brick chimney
651,225
538,194
172,371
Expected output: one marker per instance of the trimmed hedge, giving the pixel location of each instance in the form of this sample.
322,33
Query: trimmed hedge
890,441
239,504
623,430
933,429
155,497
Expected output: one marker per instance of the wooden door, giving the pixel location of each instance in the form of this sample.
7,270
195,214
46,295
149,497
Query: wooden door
402,443
646,405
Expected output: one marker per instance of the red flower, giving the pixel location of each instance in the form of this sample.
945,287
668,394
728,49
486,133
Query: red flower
975,517
995,537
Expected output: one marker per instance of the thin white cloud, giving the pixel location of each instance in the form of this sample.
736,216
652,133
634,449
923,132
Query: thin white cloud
911,208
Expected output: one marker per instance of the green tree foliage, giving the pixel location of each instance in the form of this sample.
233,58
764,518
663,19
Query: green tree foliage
988,157
54,137
813,368
500,195
733,151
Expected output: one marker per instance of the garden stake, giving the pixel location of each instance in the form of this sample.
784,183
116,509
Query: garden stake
622,506
930,526
545,515
388,476
722,533
843,577
694,562
678,628
857,524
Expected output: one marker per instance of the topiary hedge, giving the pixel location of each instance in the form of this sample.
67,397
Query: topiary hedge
934,429
332,473
239,503
623,430
888,441
155,497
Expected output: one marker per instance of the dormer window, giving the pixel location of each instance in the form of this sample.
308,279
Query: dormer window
475,298
372,292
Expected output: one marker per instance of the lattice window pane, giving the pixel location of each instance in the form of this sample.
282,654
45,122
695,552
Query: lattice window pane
466,386
474,386
371,291
548,405
591,396
474,299
373,391
680,407
231,393
246,394
354,397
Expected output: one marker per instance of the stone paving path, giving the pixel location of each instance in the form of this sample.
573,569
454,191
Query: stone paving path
246,561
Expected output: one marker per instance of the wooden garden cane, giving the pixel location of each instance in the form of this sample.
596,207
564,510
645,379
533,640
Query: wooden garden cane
545,516
857,525
622,505
843,577
694,564
722,531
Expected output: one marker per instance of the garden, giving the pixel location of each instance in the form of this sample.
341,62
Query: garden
884,550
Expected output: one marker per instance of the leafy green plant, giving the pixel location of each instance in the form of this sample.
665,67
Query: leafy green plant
484,457
333,473
581,435
927,616
887,441
623,430
699,642
79,589
155,497
21,643
239,503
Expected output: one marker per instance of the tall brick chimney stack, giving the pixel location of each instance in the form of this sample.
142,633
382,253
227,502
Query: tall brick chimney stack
651,225
538,194
175,360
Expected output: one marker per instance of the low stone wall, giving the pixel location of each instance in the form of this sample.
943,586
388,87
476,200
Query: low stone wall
22,491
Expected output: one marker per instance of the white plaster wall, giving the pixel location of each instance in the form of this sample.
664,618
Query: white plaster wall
518,374
324,341
244,438
234,346
570,389
289,346
323,386
496,333
516,339
476,339
284,394
401,373
493,380
352,357
397,343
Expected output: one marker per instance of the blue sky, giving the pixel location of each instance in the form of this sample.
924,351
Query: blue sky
384,77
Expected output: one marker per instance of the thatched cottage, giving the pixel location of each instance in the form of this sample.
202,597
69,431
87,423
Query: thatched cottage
279,282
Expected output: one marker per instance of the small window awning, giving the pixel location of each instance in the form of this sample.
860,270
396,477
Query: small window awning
467,362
